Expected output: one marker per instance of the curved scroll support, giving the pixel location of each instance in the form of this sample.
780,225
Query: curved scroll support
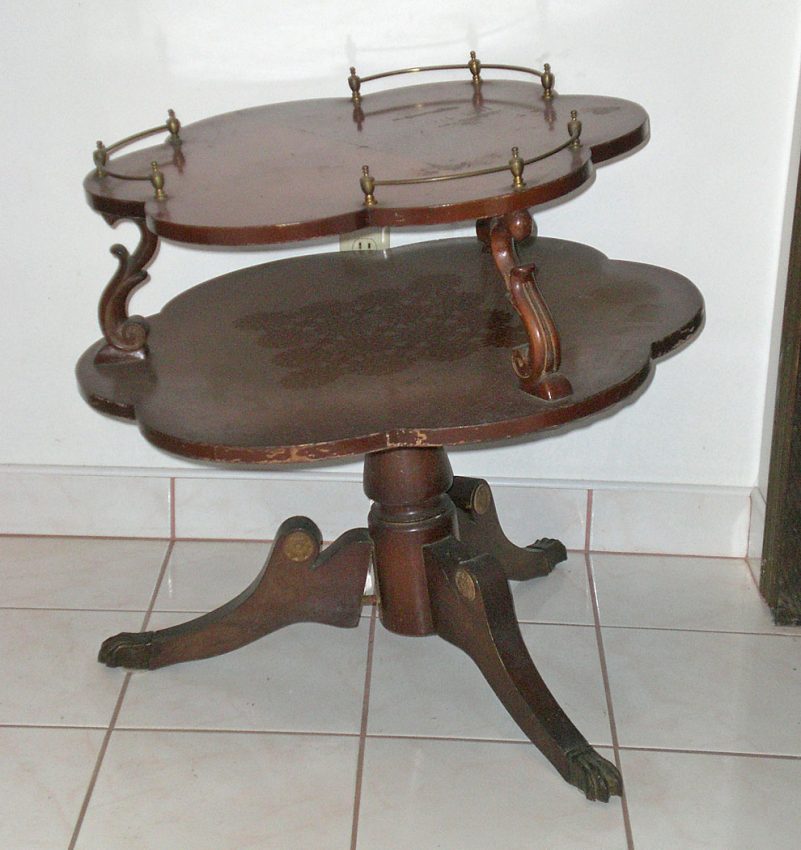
536,364
126,335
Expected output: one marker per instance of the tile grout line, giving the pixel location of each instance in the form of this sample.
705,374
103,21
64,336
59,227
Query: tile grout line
196,612
64,535
116,537
357,795
717,753
387,736
159,582
98,762
172,508
776,634
665,554
118,706
73,610
596,613
203,730
588,522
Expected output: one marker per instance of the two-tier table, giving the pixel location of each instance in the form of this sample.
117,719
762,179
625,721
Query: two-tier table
392,354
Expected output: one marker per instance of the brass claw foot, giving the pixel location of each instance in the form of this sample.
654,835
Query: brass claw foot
132,650
593,774
297,584
480,528
554,551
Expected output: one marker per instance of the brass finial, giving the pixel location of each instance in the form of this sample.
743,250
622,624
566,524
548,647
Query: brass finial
368,184
574,128
547,79
174,126
516,166
474,66
355,83
157,181
100,157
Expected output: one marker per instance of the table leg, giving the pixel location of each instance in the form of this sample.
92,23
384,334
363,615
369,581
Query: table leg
479,527
298,583
473,609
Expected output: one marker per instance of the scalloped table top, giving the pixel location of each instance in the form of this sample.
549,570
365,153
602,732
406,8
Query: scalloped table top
290,171
407,347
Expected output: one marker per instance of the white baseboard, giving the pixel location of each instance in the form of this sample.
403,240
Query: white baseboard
603,516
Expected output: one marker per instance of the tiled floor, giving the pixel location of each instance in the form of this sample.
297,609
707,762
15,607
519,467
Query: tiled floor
324,738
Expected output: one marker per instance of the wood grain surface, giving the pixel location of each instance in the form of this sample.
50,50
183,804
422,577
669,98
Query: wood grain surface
290,171
337,354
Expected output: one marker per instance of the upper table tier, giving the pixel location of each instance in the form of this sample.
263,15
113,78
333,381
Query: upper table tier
290,171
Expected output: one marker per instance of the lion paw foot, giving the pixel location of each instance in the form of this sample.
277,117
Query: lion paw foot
598,778
133,650
554,550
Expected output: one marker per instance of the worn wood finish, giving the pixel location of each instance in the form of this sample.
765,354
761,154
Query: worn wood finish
479,527
407,348
298,584
290,171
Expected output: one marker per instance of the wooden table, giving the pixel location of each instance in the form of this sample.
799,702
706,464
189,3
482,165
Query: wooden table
391,354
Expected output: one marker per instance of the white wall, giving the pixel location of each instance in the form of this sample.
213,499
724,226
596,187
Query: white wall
705,197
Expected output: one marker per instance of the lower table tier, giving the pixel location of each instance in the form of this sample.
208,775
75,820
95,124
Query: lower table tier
336,354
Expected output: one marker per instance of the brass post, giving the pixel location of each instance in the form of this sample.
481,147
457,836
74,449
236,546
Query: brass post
100,157
547,79
516,166
157,181
355,84
174,126
574,128
367,182
474,66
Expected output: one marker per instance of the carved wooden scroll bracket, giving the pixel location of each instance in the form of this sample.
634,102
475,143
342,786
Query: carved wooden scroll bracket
126,336
536,364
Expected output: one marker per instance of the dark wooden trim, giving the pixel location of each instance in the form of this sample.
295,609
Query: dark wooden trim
780,581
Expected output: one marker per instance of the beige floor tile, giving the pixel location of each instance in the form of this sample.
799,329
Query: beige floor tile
49,669
476,795
711,802
677,592
202,575
44,774
217,791
78,572
561,597
706,691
